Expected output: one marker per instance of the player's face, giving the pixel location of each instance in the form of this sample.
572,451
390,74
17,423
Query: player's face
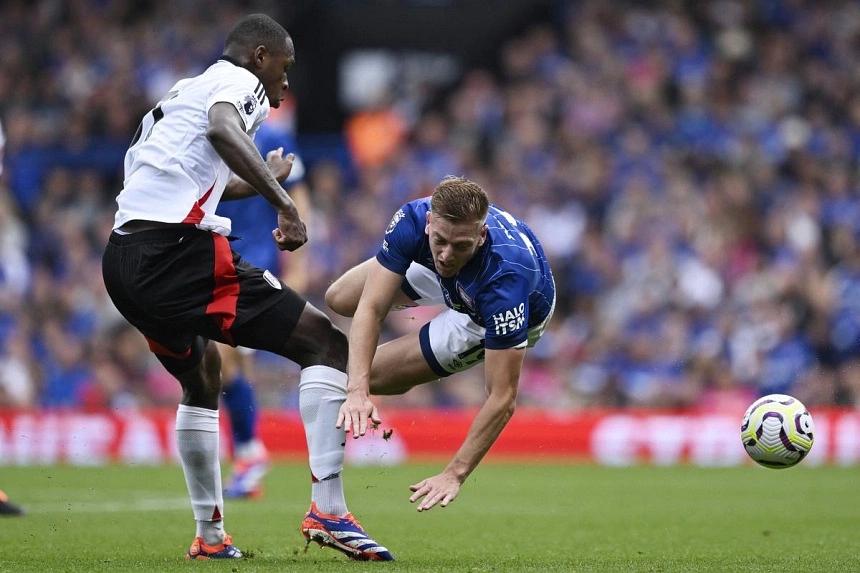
272,71
453,244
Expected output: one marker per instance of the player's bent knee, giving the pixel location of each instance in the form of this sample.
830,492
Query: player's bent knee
337,349
182,365
198,389
317,342
202,386
337,298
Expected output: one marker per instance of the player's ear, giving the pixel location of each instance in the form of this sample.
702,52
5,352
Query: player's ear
483,236
427,224
260,53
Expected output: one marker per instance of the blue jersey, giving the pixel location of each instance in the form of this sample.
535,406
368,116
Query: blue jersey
507,287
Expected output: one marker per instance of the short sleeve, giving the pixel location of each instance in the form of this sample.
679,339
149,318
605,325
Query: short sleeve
402,241
247,95
504,304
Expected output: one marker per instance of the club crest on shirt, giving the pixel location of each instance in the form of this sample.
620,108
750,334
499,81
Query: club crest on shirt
449,300
467,300
249,105
394,220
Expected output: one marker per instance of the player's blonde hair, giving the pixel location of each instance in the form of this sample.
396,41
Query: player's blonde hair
460,200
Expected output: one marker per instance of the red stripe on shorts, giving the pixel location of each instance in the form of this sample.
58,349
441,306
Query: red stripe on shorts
226,293
157,348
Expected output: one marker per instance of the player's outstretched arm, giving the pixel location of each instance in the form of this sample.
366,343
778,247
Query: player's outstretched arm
502,369
227,135
379,291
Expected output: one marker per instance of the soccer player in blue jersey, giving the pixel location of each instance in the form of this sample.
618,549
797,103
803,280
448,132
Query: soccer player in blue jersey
489,269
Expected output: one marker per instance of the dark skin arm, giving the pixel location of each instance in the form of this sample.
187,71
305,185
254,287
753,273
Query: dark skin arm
227,135
280,166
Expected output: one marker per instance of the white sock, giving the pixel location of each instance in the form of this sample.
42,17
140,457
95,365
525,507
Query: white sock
197,441
328,495
212,532
252,449
322,390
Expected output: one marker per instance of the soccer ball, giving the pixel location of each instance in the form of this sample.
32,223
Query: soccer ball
777,431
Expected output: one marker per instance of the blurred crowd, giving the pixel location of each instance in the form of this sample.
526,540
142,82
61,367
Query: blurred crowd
690,168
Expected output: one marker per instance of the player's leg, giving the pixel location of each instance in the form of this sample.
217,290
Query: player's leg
188,357
449,343
322,391
250,458
197,440
398,366
343,295
320,349
300,332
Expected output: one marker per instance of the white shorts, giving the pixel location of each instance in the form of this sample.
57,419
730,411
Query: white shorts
452,342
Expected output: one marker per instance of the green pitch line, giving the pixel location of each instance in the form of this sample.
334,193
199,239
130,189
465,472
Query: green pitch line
508,518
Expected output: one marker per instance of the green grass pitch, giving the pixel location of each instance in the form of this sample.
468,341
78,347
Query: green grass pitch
509,517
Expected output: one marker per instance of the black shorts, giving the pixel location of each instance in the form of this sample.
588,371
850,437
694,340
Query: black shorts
180,285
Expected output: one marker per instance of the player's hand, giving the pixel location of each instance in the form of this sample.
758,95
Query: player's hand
279,165
291,232
356,412
442,489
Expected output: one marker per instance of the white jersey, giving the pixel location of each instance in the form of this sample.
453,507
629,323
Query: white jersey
172,172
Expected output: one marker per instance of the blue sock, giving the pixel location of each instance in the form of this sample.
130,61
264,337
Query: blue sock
242,407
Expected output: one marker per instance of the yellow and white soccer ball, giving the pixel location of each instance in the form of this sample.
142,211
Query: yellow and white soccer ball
777,431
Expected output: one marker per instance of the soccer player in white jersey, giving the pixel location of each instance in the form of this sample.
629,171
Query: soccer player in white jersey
452,248
169,269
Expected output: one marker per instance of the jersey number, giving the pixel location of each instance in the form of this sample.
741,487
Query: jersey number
149,121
